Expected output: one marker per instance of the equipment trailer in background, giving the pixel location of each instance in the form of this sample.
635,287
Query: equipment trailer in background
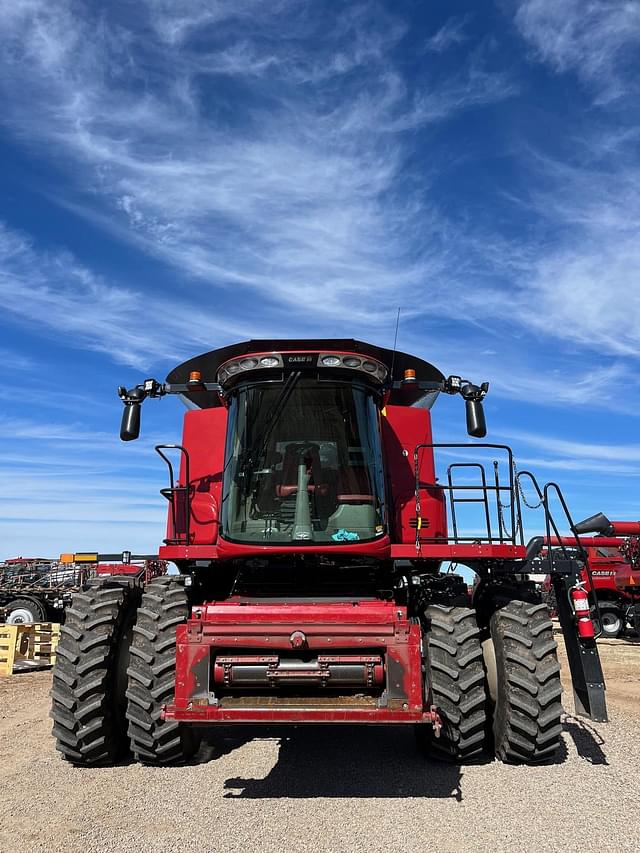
310,530
37,590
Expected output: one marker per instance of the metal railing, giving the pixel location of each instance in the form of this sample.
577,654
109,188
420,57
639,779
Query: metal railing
179,496
488,493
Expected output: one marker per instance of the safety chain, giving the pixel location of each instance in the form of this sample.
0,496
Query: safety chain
521,491
416,472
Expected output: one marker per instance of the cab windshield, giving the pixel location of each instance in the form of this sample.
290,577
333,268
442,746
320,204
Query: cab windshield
303,464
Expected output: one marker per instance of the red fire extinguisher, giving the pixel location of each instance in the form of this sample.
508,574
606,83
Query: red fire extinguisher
580,602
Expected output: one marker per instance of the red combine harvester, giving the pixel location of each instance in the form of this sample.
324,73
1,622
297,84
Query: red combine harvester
313,540
612,571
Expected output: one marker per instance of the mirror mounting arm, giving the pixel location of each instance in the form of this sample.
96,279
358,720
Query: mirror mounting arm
134,397
466,389
148,388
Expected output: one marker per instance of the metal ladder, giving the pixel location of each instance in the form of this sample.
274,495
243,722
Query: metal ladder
582,653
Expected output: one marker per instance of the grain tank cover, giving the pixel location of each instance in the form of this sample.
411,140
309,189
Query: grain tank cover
208,364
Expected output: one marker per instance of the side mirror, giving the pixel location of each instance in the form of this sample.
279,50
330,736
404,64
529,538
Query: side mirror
130,426
476,423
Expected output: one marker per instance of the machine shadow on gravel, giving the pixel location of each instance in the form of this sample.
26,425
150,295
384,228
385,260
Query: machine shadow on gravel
350,761
587,740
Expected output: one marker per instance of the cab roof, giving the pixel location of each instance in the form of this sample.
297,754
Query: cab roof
208,363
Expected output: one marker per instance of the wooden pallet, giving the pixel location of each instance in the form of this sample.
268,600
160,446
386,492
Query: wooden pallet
27,647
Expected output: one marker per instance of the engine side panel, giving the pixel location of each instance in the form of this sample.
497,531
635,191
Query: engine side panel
403,428
203,438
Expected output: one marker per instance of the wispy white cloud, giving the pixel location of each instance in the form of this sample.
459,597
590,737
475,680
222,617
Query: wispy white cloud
69,487
577,457
592,293
577,449
294,192
55,294
596,39
599,387
451,33
304,194
12,360
582,282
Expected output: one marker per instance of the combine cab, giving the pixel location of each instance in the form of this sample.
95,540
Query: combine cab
314,523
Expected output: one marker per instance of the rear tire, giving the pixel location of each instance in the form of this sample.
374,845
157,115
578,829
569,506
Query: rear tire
25,611
87,695
152,672
526,721
611,621
455,684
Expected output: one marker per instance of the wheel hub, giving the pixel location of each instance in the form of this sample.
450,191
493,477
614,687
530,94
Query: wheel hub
21,616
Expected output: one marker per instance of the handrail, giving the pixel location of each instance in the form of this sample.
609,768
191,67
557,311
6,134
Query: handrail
543,495
173,490
484,500
515,521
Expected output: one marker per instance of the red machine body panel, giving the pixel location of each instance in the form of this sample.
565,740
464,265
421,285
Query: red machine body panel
403,428
612,575
374,637
119,569
204,440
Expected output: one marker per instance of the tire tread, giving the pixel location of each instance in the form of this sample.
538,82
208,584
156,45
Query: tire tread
456,682
526,724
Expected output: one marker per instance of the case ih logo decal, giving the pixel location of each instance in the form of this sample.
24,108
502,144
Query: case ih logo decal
300,359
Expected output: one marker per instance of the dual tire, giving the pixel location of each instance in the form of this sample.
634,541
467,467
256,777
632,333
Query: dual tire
114,671
504,691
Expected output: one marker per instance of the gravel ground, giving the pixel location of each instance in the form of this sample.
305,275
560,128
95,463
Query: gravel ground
326,788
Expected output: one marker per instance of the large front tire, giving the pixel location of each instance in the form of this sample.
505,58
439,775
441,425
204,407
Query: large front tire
455,684
88,702
527,708
152,672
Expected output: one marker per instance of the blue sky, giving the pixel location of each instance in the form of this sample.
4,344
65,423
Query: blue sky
179,174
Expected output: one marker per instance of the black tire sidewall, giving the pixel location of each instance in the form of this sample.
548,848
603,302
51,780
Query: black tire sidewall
34,606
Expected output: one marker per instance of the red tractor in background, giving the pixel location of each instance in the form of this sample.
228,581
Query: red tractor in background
611,573
310,520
